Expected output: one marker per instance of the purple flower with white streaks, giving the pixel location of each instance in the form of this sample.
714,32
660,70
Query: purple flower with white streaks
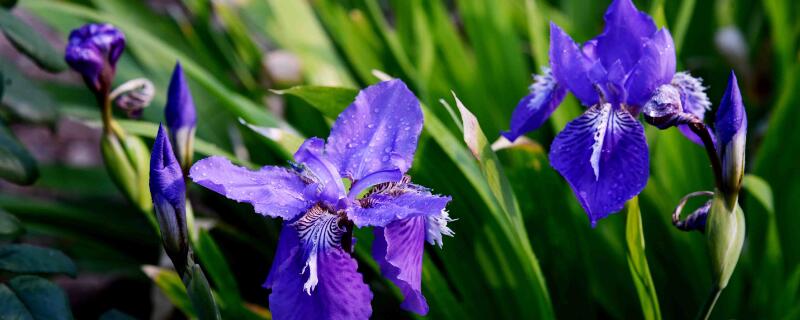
372,144
603,153
93,51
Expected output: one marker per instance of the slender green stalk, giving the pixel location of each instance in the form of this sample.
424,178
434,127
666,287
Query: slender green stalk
705,313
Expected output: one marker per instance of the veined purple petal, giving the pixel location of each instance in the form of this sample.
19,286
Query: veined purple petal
273,191
323,172
340,292
378,177
320,231
382,209
693,99
180,111
655,67
534,109
379,131
571,67
625,31
398,249
603,156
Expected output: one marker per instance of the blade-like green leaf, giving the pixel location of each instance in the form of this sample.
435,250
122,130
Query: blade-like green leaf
11,307
328,100
115,314
41,298
25,258
26,100
16,164
637,261
10,227
30,42
170,284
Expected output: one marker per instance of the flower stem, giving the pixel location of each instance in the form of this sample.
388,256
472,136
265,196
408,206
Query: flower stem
700,130
705,313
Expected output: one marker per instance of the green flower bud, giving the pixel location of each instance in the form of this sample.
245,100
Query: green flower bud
128,162
199,292
725,229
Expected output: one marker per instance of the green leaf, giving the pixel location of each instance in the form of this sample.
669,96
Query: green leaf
760,189
637,261
328,100
16,164
10,227
31,43
216,266
32,297
25,258
171,285
115,314
26,100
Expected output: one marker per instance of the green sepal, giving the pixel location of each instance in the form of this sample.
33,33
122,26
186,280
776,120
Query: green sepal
725,229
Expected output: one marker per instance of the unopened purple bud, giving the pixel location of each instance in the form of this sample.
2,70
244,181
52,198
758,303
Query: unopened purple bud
731,130
168,190
664,108
180,115
93,51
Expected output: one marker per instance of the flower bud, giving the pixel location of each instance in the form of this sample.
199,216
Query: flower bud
199,292
181,117
93,51
168,190
126,159
133,96
731,131
725,229
664,108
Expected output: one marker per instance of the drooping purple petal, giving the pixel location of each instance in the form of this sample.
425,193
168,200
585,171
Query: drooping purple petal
693,99
655,67
93,51
570,66
534,109
273,191
180,111
322,171
603,156
340,292
379,131
383,209
625,31
398,249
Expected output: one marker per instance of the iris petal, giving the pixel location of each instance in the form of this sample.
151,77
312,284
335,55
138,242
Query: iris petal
340,292
603,156
379,131
622,38
570,66
383,209
322,171
655,67
273,191
534,109
693,99
398,249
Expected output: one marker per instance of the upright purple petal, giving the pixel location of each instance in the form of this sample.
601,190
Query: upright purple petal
340,292
378,131
273,191
320,170
625,31
398,249
603,156
534,109
180,111
571,67
655,67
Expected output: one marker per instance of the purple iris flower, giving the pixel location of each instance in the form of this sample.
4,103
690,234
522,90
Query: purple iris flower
168,191
372,144
93,51
180,115
603,153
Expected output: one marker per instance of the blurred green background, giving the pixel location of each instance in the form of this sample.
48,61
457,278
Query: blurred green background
526,254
